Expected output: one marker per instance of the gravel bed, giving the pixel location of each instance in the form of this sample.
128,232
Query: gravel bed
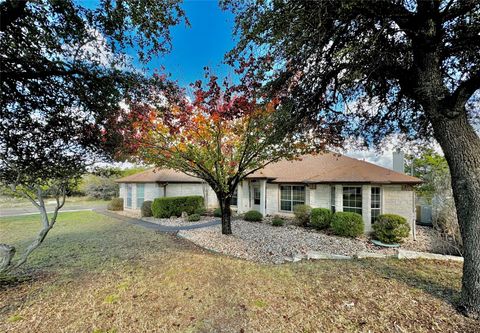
179,221
262,242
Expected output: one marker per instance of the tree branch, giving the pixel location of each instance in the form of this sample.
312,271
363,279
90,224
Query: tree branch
464,91
459,9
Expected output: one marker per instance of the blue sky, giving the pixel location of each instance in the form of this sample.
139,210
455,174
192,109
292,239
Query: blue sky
204,43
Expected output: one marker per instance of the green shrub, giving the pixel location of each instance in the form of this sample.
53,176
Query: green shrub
193,218
217,212
391,228
174,206
277,221
321,218
347,224
253,216
302,213
146,209
115,204
200,211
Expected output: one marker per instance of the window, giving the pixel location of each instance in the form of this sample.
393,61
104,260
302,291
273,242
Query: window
332,198
290,196
376,203
256,195
352,199
140,194
235,198
129,196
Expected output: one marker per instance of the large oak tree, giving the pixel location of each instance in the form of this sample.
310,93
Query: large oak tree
63,75
407,66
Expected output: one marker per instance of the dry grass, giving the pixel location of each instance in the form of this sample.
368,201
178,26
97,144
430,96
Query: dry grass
96,274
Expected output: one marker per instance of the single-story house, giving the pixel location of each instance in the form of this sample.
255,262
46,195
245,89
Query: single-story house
327,180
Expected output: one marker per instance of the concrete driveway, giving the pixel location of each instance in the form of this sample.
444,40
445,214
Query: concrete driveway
29,209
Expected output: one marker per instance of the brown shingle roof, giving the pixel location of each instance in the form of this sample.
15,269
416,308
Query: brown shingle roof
331,168
321,168
159,176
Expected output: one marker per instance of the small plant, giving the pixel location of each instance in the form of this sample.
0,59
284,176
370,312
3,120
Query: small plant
110,299
147,209
116,204
391,229
200,211
253,216
193,218
347,224
217,212
14,318
277,221
302,214
321,218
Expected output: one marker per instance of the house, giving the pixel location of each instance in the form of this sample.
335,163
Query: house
326,180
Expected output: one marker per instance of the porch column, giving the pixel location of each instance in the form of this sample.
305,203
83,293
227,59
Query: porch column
263,194
239,197
366,207
338,198
244,202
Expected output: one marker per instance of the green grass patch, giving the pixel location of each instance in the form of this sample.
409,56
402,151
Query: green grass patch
97,274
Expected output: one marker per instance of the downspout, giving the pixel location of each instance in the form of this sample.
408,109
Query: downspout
414,226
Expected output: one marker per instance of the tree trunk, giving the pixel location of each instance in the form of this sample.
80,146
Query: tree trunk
6,255
225,202
461,146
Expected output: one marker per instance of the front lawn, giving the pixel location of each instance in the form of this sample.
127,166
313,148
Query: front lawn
97,274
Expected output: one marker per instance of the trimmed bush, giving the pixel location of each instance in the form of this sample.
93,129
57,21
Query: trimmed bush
174,206
193,218
277,221
321,218
115,204
200,211
347,224
302,214
253,216
217,212
147,209
390,228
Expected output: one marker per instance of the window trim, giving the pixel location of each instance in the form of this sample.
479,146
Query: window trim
257,188
379,209
291,197
333,195
137,186
349,207
127,188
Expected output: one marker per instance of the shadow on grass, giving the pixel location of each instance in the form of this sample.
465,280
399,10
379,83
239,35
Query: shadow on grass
440,279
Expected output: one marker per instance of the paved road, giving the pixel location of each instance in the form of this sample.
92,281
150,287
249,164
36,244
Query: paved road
29,209
154,226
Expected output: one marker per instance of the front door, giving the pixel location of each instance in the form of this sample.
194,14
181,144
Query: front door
256,197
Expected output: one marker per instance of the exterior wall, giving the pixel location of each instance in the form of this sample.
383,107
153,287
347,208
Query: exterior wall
398,201
154,190
243,194
320,197
273,199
